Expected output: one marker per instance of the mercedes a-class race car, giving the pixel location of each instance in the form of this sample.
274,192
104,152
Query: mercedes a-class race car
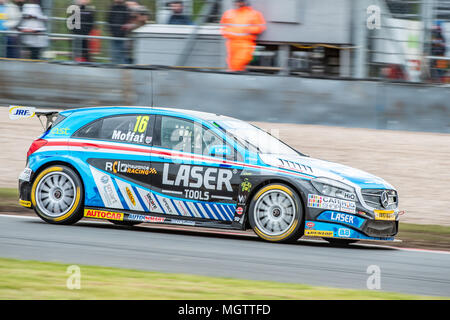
132,165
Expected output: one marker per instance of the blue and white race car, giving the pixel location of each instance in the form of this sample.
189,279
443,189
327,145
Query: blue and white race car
132,165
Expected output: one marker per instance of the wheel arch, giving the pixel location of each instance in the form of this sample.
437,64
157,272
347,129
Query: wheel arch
57,162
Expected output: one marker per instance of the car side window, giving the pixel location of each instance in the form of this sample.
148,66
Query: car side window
188,136
136,129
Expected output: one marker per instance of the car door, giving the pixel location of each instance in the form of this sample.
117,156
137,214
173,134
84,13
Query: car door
192,181
116,150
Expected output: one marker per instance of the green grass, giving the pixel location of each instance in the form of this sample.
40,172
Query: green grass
42,280
8,193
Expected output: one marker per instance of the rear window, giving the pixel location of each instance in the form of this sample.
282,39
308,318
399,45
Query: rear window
136,129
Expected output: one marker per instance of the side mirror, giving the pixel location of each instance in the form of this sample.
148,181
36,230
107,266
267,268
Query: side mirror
221,151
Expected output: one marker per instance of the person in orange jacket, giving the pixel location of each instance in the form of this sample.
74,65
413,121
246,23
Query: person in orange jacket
240,27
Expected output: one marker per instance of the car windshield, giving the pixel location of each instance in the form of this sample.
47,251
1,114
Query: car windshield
254,138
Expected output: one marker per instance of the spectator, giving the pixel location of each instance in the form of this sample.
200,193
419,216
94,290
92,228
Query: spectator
10,17
118,17
241,26
438,49
139,16
87,20
33,27
177,16
13,40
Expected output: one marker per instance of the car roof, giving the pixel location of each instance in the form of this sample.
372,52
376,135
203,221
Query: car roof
115,110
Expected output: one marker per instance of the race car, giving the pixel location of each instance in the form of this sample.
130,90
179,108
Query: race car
132,165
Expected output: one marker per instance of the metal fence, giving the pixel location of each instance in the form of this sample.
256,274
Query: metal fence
399,40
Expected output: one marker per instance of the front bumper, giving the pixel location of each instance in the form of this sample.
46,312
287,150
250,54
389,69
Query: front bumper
340,231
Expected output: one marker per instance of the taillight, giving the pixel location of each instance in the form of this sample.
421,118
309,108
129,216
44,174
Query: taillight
37,144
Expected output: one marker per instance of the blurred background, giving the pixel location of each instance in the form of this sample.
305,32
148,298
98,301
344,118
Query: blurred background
402,40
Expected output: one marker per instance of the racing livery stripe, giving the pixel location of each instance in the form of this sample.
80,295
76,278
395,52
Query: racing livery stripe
219,212
225,212
139,198
198,210
176,207
121,197
159,152
159,203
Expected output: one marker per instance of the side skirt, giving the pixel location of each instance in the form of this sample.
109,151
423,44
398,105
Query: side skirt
155,218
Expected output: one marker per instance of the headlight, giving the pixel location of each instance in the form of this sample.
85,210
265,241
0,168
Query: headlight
334,189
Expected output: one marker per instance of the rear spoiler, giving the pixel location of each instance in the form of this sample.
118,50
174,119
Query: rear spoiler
47,118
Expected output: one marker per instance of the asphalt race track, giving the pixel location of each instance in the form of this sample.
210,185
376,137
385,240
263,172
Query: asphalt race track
224,255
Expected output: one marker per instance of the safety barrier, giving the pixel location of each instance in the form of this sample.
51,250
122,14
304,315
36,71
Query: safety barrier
256,97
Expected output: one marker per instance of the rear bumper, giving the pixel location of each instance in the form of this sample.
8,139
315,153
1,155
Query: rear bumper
25,190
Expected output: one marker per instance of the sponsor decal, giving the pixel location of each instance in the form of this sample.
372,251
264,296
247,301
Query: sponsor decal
246,185
151,203
167,205
239,211
386,215
344,232
196,194
60,131
348,206
319,233
125,167
104,179
322,202
341,218
310,225
199,177
130,196
184,222
110,195
21,112
24,203
99,214
144,218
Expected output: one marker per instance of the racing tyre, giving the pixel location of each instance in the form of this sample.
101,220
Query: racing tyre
57,195
276,213
339,242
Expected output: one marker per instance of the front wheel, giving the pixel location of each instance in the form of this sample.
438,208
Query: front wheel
57,195
276,213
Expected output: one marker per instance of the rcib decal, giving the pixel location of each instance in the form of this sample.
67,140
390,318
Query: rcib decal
130,168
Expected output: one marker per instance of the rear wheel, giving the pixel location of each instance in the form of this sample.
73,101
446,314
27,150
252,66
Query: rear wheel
57,195
276,213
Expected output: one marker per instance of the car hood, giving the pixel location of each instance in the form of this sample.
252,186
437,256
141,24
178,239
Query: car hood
327,169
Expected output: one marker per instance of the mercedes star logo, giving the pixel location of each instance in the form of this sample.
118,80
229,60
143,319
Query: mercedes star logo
384,198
